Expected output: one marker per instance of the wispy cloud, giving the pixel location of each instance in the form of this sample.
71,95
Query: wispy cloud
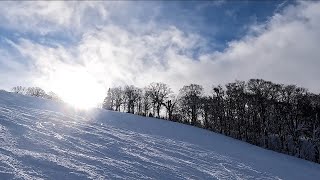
47,17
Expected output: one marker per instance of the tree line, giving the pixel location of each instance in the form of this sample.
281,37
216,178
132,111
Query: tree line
36,92
279,117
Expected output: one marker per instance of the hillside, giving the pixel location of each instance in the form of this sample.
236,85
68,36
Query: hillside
41,139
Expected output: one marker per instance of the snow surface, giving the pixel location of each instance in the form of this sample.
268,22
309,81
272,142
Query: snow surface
41,139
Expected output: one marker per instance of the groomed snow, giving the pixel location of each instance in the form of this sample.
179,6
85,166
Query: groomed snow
41,139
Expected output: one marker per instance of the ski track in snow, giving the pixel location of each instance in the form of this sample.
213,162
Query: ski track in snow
42,144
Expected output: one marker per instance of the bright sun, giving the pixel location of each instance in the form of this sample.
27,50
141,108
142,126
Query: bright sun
77,87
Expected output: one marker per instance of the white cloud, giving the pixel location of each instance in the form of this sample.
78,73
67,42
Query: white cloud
12,71
115,56
284,50
46,17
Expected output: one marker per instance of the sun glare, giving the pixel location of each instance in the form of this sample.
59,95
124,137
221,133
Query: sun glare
77,88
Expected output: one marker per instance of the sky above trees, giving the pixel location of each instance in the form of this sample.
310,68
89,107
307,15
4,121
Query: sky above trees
90,46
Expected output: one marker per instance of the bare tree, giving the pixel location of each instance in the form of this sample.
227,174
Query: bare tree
118,97
146,102
36,91
19,89
131,95
108,101
53,96
190,102
158,92
170,105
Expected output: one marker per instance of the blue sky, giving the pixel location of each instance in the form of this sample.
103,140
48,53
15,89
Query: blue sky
115,43
218,21
221,22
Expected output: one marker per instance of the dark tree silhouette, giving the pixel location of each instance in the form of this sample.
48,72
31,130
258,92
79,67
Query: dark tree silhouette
158,93
283,118
190,102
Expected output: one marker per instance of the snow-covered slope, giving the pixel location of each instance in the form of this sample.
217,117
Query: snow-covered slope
40,139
